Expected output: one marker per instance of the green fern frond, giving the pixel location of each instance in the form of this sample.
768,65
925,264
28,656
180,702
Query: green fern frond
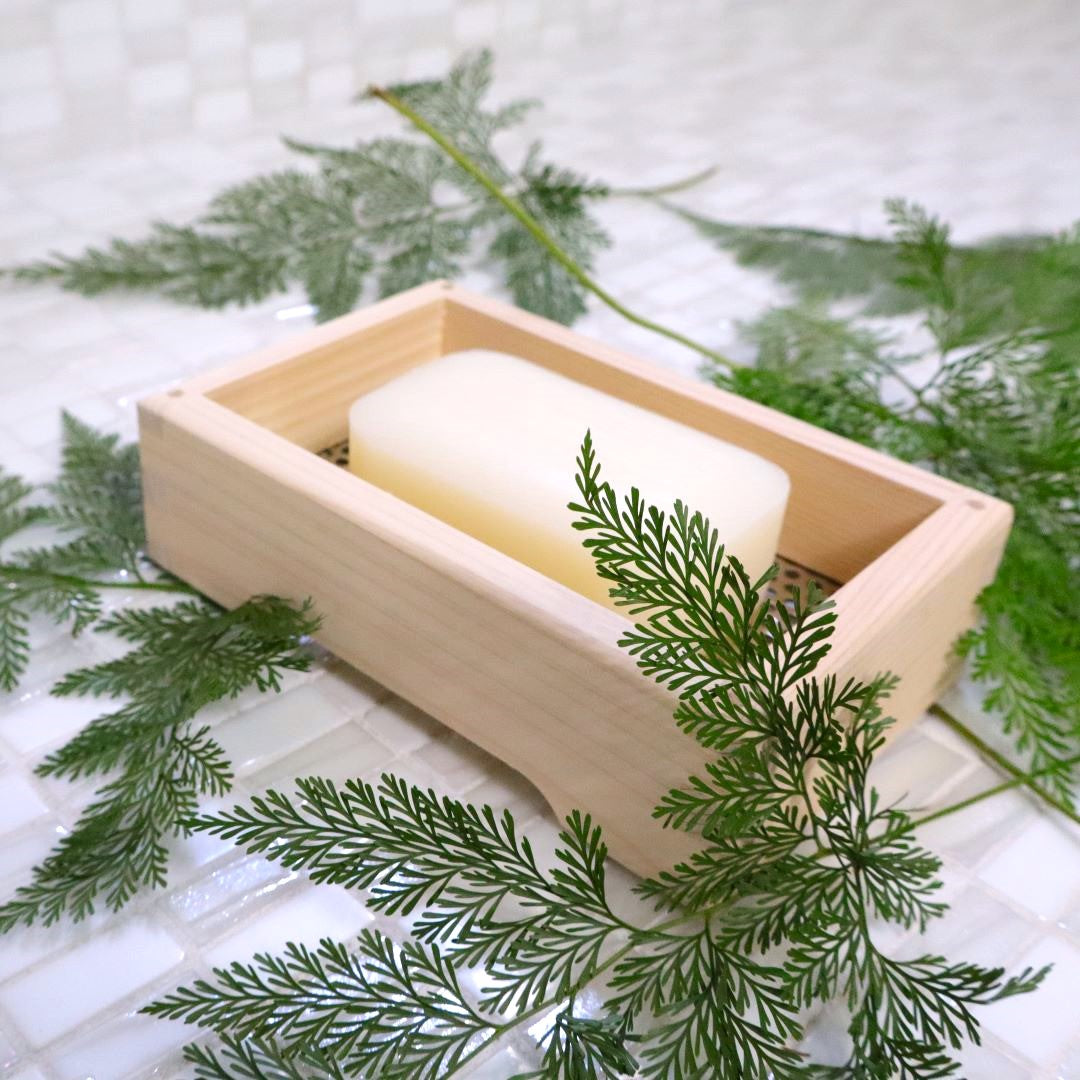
155,758
375,215
998,413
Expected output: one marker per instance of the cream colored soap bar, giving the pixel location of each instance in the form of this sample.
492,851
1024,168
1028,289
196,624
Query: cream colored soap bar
487,442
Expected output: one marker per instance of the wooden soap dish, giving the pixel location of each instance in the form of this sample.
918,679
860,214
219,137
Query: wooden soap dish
242,496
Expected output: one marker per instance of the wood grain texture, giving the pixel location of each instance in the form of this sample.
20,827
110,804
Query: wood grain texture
237,504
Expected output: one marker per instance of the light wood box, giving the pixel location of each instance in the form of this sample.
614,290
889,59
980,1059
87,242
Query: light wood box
238,502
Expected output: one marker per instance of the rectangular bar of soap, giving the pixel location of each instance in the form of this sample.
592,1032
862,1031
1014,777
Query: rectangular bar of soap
487,441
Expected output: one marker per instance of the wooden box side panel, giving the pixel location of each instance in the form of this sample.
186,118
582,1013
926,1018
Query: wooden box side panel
305,397
572,719
848,505
904,613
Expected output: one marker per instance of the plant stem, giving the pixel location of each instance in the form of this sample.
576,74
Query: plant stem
149,586
76,582
1021,780
666,189
514,207
516,189
1001,762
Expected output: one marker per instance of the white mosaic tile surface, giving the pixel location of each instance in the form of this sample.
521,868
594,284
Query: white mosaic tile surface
113,113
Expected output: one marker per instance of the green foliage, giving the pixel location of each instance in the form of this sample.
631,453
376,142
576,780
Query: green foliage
455,106
558,200
457,865
817,265
377,211
98,494
259,1059
581,1048
98,500
157,757
800,861
15,513
153,756
380,1010
998,412
187,263
1018,282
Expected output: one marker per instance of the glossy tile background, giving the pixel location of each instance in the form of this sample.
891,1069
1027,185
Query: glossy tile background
112,114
